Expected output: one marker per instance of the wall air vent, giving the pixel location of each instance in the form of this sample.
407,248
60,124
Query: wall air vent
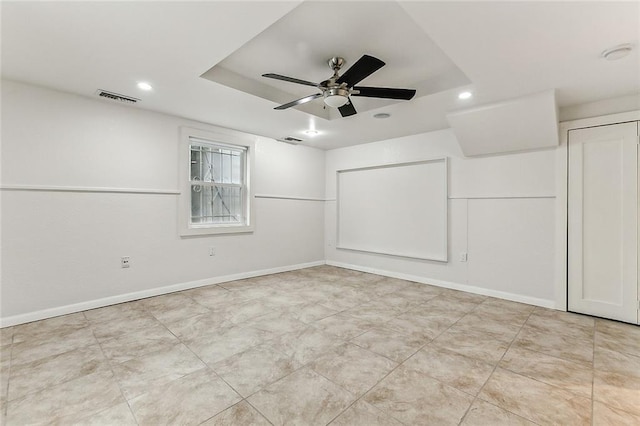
290,139
116,97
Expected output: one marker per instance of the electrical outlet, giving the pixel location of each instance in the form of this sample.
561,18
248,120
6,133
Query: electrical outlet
212,251
124,262
463,257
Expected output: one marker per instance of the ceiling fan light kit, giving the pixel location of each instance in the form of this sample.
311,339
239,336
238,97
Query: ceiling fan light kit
337,90
335,98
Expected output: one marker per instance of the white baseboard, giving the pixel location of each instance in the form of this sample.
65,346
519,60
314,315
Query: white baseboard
128,297
545,303
122,298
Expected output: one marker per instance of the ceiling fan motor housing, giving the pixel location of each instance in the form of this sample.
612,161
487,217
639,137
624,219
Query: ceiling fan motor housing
336,91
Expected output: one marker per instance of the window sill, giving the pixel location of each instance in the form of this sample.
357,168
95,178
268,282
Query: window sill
216,230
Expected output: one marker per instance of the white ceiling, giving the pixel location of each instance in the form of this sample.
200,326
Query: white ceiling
505,49
295,46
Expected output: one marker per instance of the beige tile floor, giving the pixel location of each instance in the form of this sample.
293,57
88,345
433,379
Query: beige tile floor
318,346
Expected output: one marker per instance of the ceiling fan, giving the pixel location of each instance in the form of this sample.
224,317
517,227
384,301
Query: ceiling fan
337,89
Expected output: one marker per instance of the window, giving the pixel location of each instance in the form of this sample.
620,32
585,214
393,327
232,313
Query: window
217,184
215,194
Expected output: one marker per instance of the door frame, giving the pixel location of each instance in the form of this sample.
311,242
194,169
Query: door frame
562,200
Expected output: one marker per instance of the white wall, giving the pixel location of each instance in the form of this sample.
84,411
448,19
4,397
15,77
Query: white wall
501,212
61,250
601,108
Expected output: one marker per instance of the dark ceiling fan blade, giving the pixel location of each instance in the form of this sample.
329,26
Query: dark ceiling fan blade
289,79
384,92
347,109
299,101
362,69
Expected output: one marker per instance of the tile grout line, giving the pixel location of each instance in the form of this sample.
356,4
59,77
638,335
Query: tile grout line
391,371
109,361
234,405
258,411
437,336
395,368
493,371
543,383
55,356
115,378
350,341
89,324
294,371
361,397
555,357
340,386
246,399
5,415
208,367
580,363
358,398
532,378
594,369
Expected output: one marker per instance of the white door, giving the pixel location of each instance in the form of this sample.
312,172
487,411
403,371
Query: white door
603,221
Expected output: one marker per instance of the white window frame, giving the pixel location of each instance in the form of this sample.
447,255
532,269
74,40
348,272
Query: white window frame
244,141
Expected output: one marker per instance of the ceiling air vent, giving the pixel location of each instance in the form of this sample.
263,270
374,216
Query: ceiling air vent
116,97
291,140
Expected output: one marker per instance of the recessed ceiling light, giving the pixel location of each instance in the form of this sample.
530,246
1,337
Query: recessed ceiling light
464,95
382,115
617,52
144,86
311,132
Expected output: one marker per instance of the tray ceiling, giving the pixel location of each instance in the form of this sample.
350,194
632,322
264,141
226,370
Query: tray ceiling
300,44
497,50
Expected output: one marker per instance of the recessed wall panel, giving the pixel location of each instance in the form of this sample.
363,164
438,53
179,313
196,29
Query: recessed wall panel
398,209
